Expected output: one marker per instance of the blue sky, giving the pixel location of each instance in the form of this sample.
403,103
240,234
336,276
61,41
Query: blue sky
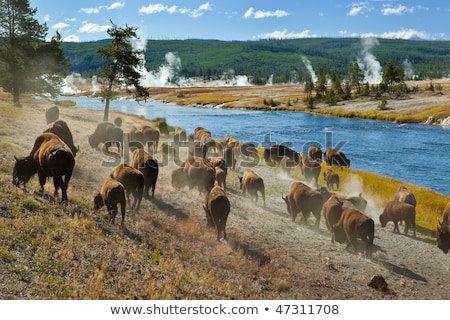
83,20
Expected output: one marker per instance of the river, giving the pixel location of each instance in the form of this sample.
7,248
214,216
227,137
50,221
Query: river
413,153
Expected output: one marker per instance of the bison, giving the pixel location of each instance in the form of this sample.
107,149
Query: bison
179,178
331,179
354,225
201,174
61,129
51,114
112,194
144,162
443,231
179,136
355,202
133,181
310,170
304,199
49,157
335,157
332,211
108,134
252,183
396,211
275,153
315,153
217,209
404,195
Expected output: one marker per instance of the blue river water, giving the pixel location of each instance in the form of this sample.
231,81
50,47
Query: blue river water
413,153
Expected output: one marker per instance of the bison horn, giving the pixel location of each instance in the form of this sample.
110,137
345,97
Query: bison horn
16,158
284,198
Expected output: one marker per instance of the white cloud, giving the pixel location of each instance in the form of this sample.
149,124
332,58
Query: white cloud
60,25
407,34
251,13
359,8
46,18
159,7
285,35
153,8
116,5
93,28
90,10
70,19
399,10
71,38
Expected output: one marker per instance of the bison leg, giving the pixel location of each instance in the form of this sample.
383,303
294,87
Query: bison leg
396,229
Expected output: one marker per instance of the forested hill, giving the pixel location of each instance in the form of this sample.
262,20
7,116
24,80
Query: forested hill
284,60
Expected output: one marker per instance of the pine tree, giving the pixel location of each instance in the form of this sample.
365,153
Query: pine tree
123,64
28,64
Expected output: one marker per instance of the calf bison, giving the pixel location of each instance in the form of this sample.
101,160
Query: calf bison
310,170
252,183
396,211
443,231
49,157
133,181
217,209
302,198
404,195
354,225
331,179
112,194
144,162
334,157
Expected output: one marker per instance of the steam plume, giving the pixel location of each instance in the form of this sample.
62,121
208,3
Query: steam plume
310,69
368,62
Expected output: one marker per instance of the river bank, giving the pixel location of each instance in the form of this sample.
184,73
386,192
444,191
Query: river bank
422,106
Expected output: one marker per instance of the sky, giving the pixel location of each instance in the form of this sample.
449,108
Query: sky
242,20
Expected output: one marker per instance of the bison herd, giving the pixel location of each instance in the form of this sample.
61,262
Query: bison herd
205,168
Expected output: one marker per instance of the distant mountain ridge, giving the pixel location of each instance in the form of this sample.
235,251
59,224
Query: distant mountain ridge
281,61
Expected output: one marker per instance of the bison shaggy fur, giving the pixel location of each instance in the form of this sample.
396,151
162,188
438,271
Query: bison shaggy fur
304,199
354,225
404,195
332,211
396,211
217,208
111,195
133,181
145,163
61,129
443,231
252,183
334,157
331,179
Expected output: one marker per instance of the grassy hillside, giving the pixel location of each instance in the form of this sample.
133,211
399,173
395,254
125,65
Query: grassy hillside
49,251
280,58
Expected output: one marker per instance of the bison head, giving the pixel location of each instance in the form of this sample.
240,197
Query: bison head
98,202
383,220
443,237
288,204
338,234
24,168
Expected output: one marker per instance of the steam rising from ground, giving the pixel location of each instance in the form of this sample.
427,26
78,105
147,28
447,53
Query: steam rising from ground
310,69
368,62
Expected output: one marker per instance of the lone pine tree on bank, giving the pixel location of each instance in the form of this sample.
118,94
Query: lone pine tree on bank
123,63
28,63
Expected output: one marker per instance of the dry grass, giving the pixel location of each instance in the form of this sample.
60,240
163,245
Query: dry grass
49,251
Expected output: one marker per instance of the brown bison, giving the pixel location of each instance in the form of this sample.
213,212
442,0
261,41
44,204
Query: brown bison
151,137
51,114
443,231
354,225
302,198
275,153
286,165
355,202
217,209
61,129
179,178
404,195
112,194
332,211
108,134
252,183
310,170
49,157
331,179
133,181
179,136
396,211
201,174
334,157
144,162
315,153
